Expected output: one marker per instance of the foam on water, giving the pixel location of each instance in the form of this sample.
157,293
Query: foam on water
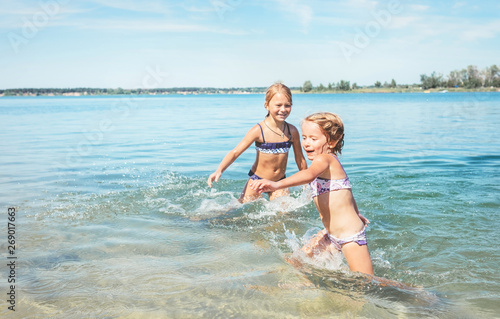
286,224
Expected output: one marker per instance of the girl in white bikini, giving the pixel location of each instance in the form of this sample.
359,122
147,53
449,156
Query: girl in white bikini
322,140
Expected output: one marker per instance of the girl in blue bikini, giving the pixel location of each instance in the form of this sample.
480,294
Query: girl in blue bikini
322,140
273,138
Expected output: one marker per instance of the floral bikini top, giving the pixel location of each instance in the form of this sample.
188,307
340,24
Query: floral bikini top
273,148
321,185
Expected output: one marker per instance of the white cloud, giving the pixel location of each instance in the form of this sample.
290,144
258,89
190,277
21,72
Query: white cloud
362,4
17,10
402,22
297,8
138,6
487,31
155,26
17,15
418,7
459,4
199,9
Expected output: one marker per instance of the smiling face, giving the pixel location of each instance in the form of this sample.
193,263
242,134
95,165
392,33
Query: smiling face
279,107
314,141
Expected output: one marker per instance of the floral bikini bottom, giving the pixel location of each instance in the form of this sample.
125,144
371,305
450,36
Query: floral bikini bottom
358,238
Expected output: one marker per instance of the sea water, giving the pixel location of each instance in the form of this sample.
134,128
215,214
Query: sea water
113,217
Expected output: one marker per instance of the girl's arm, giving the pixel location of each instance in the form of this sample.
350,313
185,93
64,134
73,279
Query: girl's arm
251,136
297,149
318,166
363,218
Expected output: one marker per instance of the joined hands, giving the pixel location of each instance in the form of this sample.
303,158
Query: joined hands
263,186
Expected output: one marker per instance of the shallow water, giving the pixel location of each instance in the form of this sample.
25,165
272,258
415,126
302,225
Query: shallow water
114,218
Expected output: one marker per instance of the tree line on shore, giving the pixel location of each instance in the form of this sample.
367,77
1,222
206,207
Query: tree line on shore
118,91
468,78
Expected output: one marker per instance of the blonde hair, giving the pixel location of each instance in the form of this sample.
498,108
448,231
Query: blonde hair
275,89
332,126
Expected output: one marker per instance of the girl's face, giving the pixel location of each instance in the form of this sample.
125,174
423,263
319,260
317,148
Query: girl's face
314,142
279,107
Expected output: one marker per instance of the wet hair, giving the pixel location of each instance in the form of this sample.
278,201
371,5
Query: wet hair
277,88
332,126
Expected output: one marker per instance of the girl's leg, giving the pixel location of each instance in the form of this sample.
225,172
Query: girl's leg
358,257
248,194
278,193
317,244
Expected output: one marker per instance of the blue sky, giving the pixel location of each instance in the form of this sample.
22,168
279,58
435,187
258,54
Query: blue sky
240,43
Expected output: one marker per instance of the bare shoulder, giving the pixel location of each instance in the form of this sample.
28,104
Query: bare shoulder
332,162
251,136
336,167
294,132
321,165
292,128
254,133
324,158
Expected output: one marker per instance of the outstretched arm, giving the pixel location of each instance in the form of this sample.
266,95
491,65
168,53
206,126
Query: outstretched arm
318,166
228,160
249,138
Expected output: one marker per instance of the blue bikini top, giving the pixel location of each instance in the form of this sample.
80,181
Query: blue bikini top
273,148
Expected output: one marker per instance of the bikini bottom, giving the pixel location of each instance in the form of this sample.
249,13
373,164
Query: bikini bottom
358,238
254,176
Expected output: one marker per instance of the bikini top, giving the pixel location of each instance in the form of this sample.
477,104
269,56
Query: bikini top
273,148
321,185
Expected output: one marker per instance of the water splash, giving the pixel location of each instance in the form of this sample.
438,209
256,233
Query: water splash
325,260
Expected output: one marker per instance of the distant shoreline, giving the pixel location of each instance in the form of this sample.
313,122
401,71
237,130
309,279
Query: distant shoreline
228,91
402,90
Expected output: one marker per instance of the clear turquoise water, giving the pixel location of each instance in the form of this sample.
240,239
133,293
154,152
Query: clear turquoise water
114,218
